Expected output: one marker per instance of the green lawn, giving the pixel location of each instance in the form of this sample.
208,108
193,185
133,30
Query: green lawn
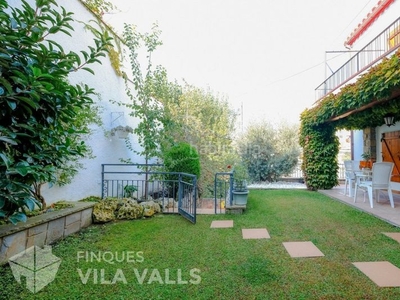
186,261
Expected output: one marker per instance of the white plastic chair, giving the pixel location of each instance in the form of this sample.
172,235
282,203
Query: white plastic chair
381,174
350,177
356,165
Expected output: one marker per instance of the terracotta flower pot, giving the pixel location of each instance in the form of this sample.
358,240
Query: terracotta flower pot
365,164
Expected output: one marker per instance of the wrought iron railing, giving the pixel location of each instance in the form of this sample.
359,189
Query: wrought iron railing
381,46
176,192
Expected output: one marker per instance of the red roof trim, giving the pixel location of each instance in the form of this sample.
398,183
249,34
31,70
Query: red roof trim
371,17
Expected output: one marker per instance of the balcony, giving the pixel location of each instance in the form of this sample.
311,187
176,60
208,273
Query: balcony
381,46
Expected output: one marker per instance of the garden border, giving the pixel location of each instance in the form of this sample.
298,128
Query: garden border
44,229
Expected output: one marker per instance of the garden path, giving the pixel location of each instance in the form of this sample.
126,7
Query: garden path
382,273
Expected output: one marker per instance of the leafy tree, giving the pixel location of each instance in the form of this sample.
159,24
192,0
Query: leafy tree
169,113
168,94
43,116
269,152
206,122
144,105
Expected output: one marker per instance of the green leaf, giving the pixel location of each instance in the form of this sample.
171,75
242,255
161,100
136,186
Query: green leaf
22,168
36,71
54,29
12,104
5,159
88,69
7,140
30,204
29,101
6,84
17,217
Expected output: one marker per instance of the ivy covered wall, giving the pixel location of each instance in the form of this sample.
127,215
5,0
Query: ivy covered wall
320,149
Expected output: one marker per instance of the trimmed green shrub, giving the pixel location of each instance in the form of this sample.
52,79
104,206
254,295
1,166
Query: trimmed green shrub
182,157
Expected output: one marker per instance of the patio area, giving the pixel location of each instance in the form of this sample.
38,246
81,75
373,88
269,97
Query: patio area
381,209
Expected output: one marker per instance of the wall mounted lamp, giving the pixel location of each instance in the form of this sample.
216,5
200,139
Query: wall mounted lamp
389,120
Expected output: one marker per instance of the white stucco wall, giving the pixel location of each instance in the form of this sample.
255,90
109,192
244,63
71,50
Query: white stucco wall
109,86
357,144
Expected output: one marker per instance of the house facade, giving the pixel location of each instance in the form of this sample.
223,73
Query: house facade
375,38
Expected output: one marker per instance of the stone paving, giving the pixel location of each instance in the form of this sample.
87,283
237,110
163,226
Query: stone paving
302,249
255,233
222,224
381,209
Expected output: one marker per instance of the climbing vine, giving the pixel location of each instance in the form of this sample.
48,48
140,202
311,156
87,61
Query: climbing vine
365,102
99,8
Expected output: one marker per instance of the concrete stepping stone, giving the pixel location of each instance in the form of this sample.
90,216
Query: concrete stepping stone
255,233
393,235
222,224
382,273
302,249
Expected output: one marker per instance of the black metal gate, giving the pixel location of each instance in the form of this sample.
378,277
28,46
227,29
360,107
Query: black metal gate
187,196
223,184
176,192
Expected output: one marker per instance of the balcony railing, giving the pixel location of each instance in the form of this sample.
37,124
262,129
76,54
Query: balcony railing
382,46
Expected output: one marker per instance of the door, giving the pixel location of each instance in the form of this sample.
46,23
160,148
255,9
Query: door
391,152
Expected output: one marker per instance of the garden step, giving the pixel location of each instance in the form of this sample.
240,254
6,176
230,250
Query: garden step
302,249
382,273
255,233
222,224
235,209
393,235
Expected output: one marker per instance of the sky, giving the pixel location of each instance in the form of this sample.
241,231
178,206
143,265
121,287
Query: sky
265,57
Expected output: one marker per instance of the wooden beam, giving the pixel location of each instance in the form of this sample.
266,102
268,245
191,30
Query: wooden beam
394,94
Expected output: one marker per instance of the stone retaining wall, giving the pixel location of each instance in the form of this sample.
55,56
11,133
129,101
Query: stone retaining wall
44,229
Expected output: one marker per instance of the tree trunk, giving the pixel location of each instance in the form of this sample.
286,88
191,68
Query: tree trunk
38,195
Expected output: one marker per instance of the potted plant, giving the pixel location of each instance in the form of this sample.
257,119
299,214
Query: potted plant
240,191
129,190
367,160
121,131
